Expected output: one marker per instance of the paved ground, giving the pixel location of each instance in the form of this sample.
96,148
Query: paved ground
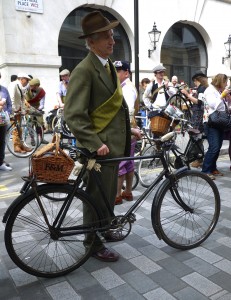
147,269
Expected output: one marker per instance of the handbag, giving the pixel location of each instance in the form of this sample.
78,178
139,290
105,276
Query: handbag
4,118
220,119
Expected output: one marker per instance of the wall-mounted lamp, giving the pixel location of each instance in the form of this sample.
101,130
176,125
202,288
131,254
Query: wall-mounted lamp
154,36
227,48
28,15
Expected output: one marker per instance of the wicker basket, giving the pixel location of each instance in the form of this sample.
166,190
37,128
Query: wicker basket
160,125
51,164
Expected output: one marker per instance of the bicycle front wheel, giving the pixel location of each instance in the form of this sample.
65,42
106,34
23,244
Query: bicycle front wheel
37,247
28,137
149,169
178,226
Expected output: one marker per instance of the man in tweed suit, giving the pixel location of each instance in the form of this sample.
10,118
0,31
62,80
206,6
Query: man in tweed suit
97,115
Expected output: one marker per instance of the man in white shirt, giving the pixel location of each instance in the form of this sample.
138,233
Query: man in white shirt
17,90
158,92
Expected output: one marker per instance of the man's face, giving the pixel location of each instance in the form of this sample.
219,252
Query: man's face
65,78
34,88
122,75
24,81
103,45
160,75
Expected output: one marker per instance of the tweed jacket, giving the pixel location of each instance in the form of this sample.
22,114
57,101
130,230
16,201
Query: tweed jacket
89,87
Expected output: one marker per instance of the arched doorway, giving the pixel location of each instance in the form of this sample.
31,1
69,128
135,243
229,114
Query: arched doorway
72,49
183,52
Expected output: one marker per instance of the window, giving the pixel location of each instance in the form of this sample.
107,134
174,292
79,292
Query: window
183,52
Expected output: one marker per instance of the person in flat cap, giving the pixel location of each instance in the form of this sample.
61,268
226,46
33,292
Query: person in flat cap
17,90
158,92
200,81
62,89
97,115
35,97
126,168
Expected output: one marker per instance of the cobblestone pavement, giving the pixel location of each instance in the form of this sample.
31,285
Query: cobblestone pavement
147,269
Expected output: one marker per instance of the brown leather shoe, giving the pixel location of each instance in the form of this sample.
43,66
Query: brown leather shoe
27,149
112,236
19,150
118,200
127,196
106,254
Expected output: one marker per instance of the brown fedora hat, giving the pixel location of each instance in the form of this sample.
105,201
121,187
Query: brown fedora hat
95,22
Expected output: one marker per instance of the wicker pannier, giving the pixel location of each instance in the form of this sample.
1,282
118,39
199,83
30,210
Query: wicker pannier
51,164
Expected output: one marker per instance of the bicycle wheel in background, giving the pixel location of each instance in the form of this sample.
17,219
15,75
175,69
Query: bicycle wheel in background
39,130
181,103
134,182
149,169
29,138
39,249
178,227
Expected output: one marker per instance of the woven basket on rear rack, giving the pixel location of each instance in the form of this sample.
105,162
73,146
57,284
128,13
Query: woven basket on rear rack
51,164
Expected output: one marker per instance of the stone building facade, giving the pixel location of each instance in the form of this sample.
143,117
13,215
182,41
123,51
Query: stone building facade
34,36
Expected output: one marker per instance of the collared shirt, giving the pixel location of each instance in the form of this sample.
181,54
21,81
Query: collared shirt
103,60
130,95
62,90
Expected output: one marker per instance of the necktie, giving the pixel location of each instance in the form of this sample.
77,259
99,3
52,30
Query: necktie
108,69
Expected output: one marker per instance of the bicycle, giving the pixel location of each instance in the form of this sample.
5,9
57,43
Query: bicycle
45,232
20,127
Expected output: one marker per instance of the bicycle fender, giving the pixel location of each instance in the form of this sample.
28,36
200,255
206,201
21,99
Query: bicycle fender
181,170
12,206
16,202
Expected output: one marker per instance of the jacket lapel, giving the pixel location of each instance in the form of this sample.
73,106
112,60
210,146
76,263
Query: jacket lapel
110,84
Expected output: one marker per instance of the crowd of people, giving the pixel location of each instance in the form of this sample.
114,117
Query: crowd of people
104,120
24,92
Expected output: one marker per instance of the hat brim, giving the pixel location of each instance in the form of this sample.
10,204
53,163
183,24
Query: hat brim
199,75
160,70
112,25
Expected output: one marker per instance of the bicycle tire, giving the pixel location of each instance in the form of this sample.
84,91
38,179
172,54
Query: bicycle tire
149,169
181,103
54,122
39,130
179,228
28,134
135,181
29,242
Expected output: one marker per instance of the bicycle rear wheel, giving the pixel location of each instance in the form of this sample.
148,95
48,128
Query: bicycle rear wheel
28,135
39,249
149,169
178,227
135,181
